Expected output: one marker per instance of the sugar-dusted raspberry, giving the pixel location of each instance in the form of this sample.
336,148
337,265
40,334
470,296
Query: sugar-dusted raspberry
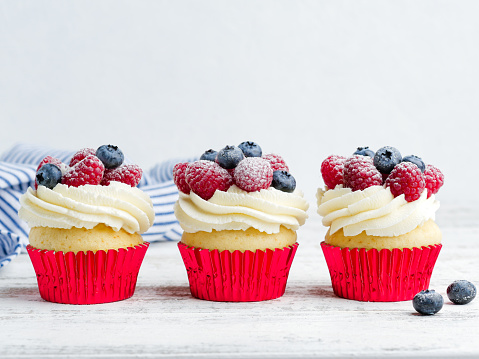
179,172
128,174
253,174
205,177
406,178
332,170
359,173
88,171
80,155
276,161
50,159
434,179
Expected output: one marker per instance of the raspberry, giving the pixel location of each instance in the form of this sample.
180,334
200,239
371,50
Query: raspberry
276,161
205,177
253,174
434,179
179,172
88,171
359,173
128,174
50,159
332,170
406,178
80,155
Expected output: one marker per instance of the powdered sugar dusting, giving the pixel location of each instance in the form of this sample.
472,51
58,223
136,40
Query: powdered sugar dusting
360,173
82,154
253,174
128,174
277,162
205,177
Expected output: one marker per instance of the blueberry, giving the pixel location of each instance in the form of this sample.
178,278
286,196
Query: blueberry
386,158
428,302
416,160
229,157
461,292
283,181
49,175
209,155
110,155
364,151
250,149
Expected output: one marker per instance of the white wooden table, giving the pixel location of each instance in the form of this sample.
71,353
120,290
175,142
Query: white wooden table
162,320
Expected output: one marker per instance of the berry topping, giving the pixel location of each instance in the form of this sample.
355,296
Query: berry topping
253,174
179,172
110,155
49,175
205,177
332,170
88,171
428,302
461,292
128,174
50,159
416,160
359,173
386,158
364,151
283,181
250,149
81,155
276,161
406,178
434,179
229,157
209,155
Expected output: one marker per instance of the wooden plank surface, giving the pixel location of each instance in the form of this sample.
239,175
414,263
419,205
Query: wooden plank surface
163,320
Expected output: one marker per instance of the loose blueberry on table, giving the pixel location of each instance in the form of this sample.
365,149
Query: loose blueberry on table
242,165
461,292
428,302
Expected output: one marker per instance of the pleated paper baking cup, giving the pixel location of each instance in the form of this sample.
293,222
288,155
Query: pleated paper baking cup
87,277
236,276
380,276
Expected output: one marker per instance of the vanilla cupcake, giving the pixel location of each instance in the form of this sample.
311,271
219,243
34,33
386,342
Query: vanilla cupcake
382,242
86,222
239,211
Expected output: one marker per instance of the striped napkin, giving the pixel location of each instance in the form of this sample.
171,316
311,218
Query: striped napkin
17,172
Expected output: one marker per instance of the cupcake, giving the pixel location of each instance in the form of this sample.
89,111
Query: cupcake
86,220
382,242
239,211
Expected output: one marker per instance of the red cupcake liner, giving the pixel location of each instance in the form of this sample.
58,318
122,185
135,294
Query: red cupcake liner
380,276
87,278
235,276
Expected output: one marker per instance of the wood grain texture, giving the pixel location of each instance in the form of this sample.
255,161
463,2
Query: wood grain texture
162,320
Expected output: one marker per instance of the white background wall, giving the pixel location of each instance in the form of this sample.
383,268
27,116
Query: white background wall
305,79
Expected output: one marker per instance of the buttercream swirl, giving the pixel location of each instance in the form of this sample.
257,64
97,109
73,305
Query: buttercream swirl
265,210
374,210
117,205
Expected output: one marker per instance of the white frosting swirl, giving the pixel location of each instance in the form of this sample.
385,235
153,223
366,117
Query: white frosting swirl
265,210
374,210
117,205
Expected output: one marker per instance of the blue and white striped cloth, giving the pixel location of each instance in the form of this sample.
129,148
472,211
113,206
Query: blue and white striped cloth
17,172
